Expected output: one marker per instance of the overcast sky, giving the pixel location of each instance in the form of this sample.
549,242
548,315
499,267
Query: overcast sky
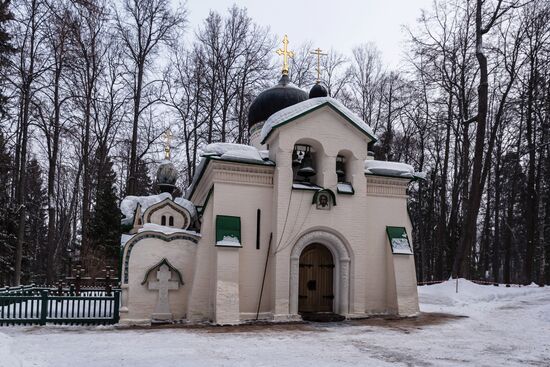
341,24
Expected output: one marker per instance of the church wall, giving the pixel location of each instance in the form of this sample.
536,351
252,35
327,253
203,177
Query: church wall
388,200
201,304
243,201
347,218
145,254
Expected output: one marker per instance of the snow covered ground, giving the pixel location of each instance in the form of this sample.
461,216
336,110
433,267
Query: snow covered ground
503,327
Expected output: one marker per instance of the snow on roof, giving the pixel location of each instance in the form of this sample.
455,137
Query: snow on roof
395,169
233,152
129,204
189,206
293,111
165,229
222,148
230,152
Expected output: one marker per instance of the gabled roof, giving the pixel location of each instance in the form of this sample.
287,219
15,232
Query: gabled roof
291,113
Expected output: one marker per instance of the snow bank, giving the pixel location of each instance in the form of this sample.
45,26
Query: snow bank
285,114
129,204
396,169
164,229
469,293
229,241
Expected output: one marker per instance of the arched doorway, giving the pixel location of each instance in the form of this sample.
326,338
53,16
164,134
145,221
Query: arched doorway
316,274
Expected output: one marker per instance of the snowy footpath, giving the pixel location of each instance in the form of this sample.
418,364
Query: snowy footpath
502,327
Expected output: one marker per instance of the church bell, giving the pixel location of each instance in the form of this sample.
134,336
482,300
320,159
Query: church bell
295,158
340,168
306,168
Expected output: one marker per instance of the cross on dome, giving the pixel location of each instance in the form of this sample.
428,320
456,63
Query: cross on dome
319,53
286,53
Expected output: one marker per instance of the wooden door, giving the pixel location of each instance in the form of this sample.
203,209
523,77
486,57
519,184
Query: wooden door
315,292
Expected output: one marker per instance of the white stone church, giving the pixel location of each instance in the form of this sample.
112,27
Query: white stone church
299,224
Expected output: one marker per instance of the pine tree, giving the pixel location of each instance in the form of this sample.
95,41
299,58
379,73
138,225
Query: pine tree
105,223
34,253
8,224
143,181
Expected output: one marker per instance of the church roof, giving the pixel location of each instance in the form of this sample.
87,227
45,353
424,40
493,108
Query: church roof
130,203
228,152
291,113
274,99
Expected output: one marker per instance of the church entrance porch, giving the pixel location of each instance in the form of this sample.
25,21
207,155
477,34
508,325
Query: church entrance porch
320,271
316,293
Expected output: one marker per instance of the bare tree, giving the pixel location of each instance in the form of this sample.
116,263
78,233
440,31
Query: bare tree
143,25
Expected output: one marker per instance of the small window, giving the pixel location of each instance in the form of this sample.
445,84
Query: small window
228,229
163,220
171,221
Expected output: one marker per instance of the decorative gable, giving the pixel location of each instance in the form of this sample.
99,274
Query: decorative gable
168,213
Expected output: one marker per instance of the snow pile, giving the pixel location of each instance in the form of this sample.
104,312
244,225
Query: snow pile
288,113
164,229
229,241
231,151
444,295
187,205
129,204
395,169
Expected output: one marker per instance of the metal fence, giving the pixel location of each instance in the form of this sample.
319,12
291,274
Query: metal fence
33,305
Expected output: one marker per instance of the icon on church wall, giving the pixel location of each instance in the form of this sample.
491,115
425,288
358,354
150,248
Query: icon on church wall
323,201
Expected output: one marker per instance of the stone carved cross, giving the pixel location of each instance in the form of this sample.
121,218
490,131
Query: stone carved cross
163,285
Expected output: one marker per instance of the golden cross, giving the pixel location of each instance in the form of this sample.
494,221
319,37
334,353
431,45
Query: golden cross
167,140
286,54
319,53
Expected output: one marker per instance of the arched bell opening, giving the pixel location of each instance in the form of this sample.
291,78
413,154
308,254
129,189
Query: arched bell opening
343,166
316,279
306,161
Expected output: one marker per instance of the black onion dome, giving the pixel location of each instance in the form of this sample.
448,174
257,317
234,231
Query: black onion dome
274,99
167,175
318,91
